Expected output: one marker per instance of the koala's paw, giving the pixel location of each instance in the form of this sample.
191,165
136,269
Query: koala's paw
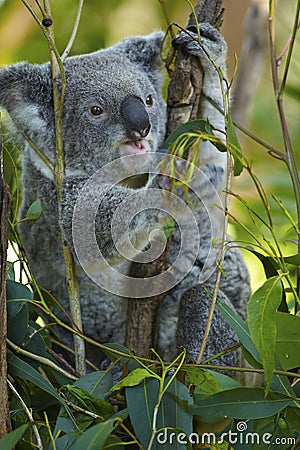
211,43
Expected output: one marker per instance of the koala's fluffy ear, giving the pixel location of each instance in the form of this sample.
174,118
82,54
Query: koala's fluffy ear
26,94
144,50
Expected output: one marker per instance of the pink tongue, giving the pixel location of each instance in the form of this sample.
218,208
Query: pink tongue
138,144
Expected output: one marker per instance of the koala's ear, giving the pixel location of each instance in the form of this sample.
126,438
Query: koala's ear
144,50
26,94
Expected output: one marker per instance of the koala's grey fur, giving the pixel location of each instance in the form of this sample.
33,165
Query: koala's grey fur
131,70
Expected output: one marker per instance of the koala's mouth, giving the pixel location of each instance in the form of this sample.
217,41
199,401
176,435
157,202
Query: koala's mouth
138,146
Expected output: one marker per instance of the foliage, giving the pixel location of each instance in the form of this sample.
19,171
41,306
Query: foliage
157,403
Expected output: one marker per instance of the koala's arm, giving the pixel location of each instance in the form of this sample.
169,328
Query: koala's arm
106,218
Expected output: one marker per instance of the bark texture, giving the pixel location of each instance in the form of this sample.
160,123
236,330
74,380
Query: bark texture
4,211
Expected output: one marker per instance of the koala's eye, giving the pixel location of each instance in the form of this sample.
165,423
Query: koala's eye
149,100
96,110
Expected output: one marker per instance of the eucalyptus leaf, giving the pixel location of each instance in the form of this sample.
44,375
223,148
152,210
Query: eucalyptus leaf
133,378
203,380
95,437
34,211
17,291
112,348
168,228
188,127
141,401
271,267
293,259
241,403
9,441
20,369
262,308
88,402
113,442
239,327
287,344
96,383
234,146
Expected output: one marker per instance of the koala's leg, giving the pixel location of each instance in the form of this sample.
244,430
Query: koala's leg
192,319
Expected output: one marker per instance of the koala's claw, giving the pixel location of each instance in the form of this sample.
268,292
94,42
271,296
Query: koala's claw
211,40
206,31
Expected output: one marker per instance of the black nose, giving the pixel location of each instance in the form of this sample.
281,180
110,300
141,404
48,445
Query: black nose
135,118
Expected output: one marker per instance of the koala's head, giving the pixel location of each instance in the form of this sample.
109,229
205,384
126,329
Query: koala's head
113,104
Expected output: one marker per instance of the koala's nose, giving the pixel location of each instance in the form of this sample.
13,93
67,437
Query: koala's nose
135,118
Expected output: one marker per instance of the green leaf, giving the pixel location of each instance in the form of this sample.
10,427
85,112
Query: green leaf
239,327
95,437
241,403
168,228
293,91
293,419
271,270
9,441
113,442
224,381
17,312
112,355
293,259
34,211
234,146
133,378
188,127
269,264
96,383
262,308
10,271
287,340
194,126
22,370
141,401
173,415
202,379
85,400
17,291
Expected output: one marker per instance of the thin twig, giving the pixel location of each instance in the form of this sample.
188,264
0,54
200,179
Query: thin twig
294,447
71,280
41,360
286,47
71,351
278,91
74,31
290,49
220,263
28,412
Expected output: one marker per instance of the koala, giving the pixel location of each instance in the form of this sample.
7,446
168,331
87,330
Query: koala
114,108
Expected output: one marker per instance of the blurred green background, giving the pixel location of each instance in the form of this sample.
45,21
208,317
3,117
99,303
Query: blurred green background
104,22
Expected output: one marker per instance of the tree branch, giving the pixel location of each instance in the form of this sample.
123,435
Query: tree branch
4,212
183,105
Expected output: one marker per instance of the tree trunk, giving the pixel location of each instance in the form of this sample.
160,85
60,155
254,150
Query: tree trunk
4,211
182,105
